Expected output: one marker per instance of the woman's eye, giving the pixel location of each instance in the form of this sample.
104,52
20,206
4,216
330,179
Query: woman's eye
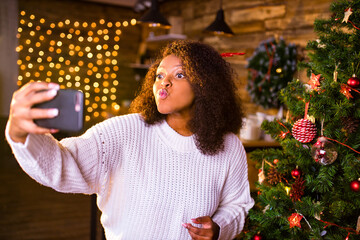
158,76
180,75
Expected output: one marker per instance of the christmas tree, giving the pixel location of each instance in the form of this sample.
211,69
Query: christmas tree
309,187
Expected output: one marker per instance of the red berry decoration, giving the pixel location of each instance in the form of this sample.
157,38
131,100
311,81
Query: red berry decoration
257,237
296,173
304,130
353,81
355,185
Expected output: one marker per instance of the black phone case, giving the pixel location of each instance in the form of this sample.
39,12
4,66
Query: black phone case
70,103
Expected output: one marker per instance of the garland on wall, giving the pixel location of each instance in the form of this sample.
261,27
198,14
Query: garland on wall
270,68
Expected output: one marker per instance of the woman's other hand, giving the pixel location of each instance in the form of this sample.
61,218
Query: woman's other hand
209,230
22,115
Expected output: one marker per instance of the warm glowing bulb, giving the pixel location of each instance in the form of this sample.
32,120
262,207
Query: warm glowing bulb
106,37
76,24
98,47
116,38
41,53
22,13
42,20
52,25
113,97
115,82
85,24
125,23
81,39
67,21
89,55
30,24
101,21
109,24
133,21
60,24
117,24
118,32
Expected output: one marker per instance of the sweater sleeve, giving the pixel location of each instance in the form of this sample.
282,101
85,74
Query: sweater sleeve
235,200
71,165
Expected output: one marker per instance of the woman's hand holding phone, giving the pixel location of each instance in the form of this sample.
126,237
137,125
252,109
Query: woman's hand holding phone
22,115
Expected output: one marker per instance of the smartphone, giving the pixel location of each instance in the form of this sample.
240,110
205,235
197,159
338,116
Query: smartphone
70,103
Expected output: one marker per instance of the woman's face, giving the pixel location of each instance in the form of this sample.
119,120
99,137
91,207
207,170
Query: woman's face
172,89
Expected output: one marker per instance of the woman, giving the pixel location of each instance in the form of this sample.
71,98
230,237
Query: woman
173,169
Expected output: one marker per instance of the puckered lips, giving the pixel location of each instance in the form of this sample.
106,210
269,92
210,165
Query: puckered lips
163,93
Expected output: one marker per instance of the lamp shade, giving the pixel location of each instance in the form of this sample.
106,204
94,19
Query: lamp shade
154,18
219,26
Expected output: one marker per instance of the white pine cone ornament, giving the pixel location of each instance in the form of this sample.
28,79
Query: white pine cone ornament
304,130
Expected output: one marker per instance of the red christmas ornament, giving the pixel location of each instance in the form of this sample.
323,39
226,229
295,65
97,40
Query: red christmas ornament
296,173
294,220
353,81
355,185
304,130
257,237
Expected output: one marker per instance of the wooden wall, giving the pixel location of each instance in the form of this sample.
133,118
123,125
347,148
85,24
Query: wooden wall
31,211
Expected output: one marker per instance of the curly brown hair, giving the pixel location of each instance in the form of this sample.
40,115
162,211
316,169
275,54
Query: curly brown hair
217,107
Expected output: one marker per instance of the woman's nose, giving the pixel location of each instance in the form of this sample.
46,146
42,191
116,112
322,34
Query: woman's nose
166,83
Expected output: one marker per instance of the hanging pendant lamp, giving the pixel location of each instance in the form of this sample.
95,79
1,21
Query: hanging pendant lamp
219,26
153,17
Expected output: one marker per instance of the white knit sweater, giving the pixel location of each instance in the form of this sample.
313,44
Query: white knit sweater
148,179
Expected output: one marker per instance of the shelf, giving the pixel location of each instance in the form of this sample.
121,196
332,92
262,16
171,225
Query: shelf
165,37
259,143
139,65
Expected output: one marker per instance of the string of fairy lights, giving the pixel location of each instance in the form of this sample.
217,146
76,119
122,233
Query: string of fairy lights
81,55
